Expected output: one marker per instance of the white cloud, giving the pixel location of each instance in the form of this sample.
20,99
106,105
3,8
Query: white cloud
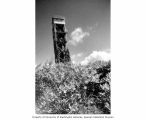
77,36
93,27
75,57
96,55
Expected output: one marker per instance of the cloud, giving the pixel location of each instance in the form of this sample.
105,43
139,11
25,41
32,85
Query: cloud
77,36
96,55
93,27
75,57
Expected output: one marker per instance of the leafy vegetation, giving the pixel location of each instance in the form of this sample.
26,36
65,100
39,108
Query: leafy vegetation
73,89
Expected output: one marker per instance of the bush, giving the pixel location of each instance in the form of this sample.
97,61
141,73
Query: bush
73,89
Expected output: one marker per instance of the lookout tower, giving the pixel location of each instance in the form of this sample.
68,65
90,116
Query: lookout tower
59,38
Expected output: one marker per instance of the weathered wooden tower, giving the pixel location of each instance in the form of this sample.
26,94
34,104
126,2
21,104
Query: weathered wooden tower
59,37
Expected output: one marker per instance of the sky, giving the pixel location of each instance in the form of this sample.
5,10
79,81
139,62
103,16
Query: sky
88,25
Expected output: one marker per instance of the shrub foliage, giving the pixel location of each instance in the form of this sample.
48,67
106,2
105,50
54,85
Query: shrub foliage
73,89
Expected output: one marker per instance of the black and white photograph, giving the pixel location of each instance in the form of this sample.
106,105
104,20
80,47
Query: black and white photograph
72,57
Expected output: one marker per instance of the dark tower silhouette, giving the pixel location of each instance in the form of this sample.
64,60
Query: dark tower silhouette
59,37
